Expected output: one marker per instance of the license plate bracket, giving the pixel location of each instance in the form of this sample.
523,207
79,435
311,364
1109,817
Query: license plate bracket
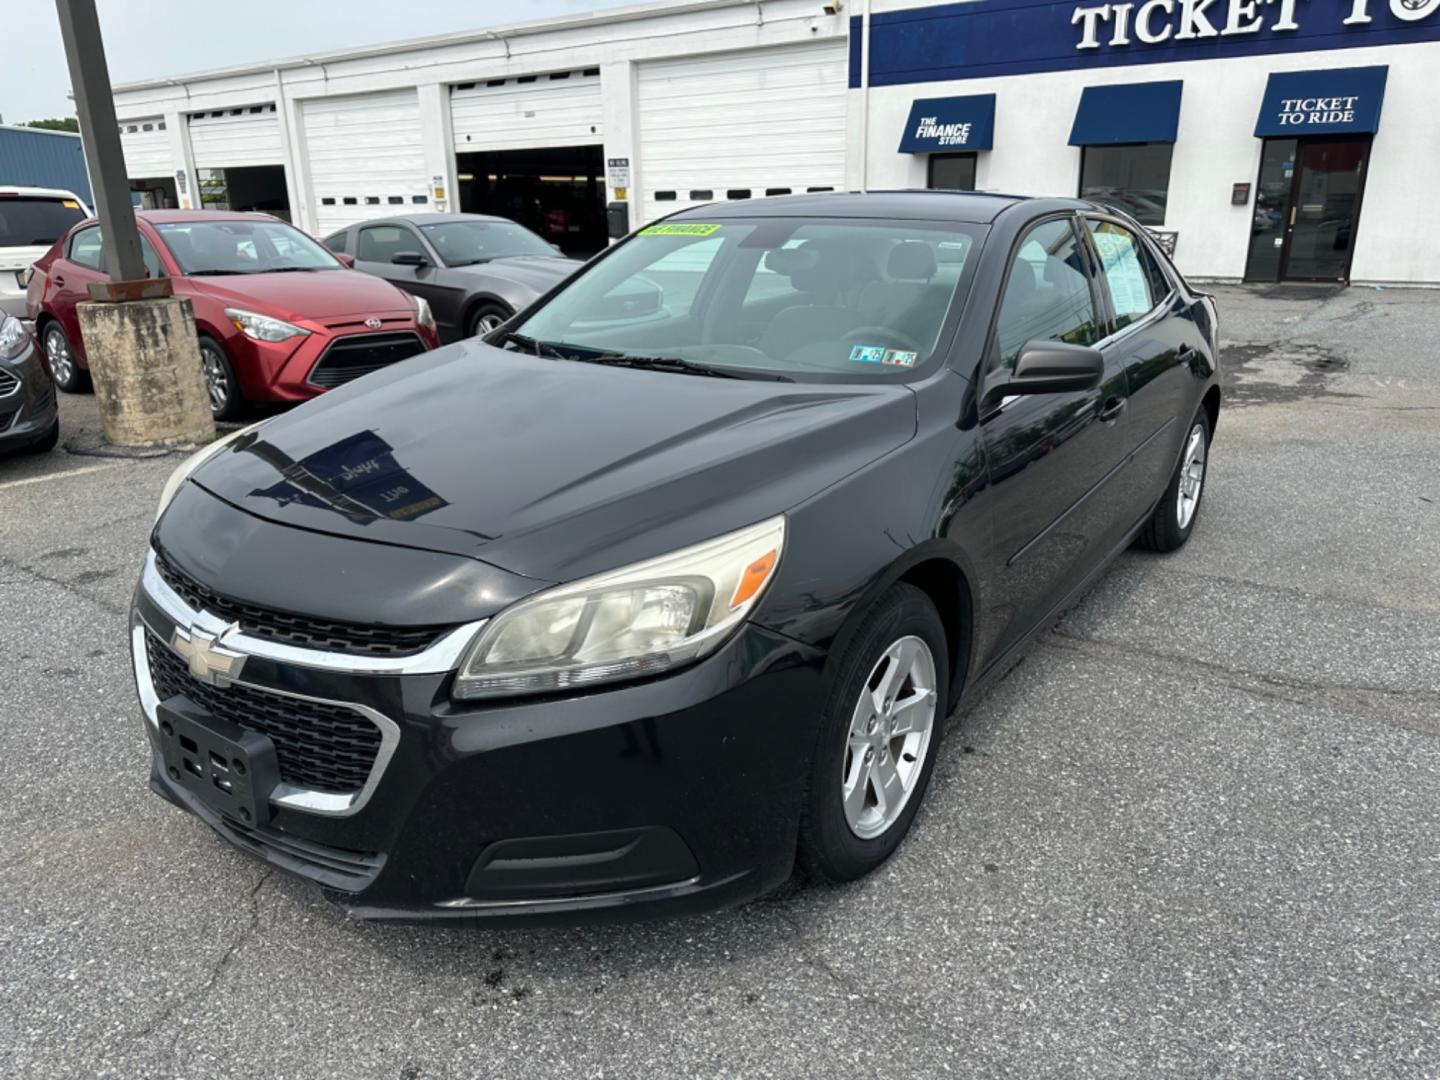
230,768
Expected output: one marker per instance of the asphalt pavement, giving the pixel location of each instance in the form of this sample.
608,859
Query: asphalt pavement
1195,833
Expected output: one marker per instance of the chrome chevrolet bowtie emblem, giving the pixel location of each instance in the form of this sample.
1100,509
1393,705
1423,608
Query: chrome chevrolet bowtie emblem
209,662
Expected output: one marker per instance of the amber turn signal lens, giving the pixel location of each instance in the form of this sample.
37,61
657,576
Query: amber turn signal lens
755,576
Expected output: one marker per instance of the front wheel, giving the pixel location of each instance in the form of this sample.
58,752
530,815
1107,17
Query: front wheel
1174,519
63,367
487,317
879,737
225,400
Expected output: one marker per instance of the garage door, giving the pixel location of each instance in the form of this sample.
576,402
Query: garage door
365,157
560,109
233,138
147,148
758,121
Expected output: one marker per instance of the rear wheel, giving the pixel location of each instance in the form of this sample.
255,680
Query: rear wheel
878,740
63,366
1174,519
487,317
225,400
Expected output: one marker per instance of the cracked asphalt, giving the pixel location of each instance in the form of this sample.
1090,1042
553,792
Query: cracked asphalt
1195,833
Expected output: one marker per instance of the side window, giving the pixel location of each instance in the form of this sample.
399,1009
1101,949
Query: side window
338,242
152,261
1121,258
85,249
1154,273
678,273
379,243
1047,295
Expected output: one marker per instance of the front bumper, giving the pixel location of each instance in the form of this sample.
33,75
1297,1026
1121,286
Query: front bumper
295,369
673,795
28,408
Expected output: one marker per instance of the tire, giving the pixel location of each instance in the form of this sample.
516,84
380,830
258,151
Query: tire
845,829
226,401
46,442
68,374
1174,519
485,318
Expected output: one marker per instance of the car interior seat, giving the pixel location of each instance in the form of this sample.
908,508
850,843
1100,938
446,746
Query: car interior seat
828,276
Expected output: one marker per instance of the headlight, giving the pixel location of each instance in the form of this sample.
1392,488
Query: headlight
633,622
13,337
24,276
262,327
193,462
422,312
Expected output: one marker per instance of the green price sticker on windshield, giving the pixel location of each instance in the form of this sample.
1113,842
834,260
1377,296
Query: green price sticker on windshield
677,229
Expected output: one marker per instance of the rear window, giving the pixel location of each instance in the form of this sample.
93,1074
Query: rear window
36,221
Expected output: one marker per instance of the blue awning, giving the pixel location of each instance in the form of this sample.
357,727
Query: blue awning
941,125
1127,113
1337,101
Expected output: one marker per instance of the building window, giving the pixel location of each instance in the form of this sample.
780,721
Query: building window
951,172
1132,176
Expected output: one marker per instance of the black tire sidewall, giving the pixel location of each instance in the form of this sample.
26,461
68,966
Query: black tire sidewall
474,329
828,848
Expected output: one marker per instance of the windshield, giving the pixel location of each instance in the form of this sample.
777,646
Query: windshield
243,247
30,221
802,298
463,243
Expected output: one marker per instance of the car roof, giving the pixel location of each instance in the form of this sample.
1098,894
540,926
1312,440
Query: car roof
430,218
40,192
161,217
919,204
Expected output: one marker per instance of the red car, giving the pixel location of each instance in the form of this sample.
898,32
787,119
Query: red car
280,318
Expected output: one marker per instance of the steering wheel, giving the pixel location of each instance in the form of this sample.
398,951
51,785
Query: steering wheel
884,332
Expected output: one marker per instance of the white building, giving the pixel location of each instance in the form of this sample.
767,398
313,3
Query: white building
1269,138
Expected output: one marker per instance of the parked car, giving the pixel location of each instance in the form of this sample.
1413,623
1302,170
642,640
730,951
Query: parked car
476,271
611,618
279,317
29,419
31,219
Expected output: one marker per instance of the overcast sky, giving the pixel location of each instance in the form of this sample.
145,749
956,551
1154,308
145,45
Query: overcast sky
153,38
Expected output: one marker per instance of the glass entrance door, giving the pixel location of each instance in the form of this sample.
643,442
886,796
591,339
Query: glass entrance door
1307,207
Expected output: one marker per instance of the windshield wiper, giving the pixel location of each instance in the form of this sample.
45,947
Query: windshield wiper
682,366
217,273
286,270
539,348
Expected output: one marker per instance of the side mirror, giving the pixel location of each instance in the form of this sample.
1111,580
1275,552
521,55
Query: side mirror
347,261
409,258
1050,367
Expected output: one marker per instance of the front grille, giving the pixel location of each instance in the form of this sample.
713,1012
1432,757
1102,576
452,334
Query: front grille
348,358
334,866
325,747
301,631
8,383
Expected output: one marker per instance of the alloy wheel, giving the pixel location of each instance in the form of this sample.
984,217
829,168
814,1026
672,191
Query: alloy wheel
57,352
889,737
217,379
1192,477
488,322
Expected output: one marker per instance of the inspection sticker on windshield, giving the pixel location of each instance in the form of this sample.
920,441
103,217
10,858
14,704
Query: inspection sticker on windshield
677,229
70,204
868,354
899,358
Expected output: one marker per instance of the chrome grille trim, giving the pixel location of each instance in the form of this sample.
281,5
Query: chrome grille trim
9,383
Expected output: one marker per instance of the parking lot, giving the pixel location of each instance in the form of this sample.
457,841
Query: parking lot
1192,834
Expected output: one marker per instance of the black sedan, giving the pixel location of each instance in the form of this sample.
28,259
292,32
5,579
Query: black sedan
473,270
624,608
29,417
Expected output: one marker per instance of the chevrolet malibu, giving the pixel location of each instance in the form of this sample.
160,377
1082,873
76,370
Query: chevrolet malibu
631,604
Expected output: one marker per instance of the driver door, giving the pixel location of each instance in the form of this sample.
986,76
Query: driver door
1051,458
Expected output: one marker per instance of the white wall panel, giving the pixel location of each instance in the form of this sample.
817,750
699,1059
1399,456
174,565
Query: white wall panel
146,143
362,152
231,138
750,120
560,109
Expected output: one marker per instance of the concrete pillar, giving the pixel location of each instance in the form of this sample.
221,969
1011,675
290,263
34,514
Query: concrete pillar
145,364
619,101
439,141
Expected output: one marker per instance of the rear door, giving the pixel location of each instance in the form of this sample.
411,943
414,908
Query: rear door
1153,338
69,281
1052,458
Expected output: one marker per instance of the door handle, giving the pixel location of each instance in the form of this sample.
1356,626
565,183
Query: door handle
1112,409
59,281
1183,354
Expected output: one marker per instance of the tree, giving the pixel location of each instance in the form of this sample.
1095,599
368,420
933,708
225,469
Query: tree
68,124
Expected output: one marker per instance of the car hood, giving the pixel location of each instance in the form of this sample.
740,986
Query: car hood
18,258
552,469
316,297
534,271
